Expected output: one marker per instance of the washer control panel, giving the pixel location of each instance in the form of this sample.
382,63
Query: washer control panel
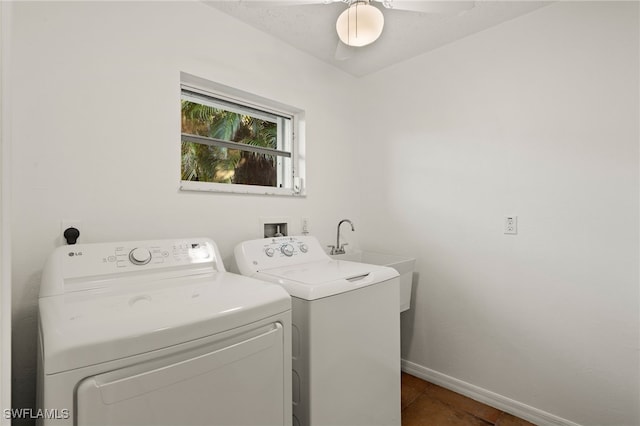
255,255
284,246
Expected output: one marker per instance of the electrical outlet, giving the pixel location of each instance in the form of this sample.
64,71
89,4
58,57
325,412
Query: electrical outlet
305,226
67,223
511,225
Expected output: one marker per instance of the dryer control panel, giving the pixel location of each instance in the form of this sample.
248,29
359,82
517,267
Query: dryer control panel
255,255
73,267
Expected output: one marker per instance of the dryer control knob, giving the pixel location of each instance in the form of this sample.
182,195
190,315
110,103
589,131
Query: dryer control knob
269,251
140,256
287,250
304,248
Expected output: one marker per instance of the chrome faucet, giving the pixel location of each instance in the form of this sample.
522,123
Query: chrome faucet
339,249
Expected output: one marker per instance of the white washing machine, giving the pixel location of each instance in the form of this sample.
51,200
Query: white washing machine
346,331
157,333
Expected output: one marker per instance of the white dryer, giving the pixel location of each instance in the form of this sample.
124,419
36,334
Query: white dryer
346,331
158,333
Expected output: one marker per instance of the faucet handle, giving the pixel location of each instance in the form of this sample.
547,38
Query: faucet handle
333,250
340,249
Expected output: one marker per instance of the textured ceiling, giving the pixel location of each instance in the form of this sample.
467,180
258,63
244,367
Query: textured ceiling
311,28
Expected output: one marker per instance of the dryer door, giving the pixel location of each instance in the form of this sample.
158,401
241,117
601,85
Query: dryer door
239,381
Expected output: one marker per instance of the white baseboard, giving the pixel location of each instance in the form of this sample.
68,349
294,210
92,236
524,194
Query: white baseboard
518,409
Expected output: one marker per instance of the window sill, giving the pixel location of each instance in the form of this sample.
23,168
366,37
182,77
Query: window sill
186,185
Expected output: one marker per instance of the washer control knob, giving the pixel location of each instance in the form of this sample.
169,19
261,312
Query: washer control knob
304,248
269,251
287,250
140,256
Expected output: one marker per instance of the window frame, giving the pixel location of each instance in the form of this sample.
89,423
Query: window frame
293,181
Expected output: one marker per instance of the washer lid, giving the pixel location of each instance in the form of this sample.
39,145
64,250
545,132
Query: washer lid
325,278
84,328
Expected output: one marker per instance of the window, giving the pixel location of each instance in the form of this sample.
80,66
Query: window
232,141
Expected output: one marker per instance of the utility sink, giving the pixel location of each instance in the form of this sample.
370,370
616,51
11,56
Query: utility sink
404,266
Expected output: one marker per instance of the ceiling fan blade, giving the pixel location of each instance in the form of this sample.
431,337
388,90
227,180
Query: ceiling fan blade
343,52
437,6
279,3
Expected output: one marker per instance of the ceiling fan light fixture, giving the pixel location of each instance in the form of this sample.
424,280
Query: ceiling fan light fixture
360,24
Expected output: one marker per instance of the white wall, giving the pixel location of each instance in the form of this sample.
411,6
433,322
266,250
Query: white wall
5,215
96,134
537,117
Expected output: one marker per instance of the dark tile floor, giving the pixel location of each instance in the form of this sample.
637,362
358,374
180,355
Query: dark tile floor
426,404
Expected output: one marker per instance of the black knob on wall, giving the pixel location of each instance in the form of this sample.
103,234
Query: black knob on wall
71,235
